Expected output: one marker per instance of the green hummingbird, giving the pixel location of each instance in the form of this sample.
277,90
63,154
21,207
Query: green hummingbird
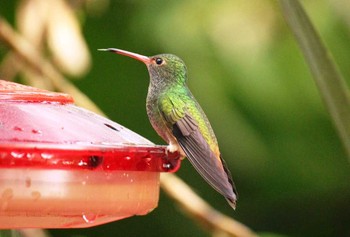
178,118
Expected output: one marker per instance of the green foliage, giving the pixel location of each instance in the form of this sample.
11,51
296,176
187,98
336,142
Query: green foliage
332,86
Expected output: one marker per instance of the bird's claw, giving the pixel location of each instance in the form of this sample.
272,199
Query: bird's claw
171,148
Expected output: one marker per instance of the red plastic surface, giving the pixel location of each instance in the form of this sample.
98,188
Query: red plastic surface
44,129
10,91
128,158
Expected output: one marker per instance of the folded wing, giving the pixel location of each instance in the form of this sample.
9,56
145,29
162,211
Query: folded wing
186,130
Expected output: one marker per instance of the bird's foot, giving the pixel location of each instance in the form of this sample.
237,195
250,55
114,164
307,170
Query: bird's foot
172,148
172,157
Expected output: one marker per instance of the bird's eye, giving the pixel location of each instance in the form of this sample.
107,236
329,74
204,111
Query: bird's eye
159,61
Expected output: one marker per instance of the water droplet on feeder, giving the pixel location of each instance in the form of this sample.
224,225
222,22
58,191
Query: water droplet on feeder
89,218
16,128
17,154
46,156
35,131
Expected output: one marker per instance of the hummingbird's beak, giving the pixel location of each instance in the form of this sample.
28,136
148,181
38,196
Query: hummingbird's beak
139,57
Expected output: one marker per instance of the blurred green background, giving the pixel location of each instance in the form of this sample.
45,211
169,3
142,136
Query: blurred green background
248,74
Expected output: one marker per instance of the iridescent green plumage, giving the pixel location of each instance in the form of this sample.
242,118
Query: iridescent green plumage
178,118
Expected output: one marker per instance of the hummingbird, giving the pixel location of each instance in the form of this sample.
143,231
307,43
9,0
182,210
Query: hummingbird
178,118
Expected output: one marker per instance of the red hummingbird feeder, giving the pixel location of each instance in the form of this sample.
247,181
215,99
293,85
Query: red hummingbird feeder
62,166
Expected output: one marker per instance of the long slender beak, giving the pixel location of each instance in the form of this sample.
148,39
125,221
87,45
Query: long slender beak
139,57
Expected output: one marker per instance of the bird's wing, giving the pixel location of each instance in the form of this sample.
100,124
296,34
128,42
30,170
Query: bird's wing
186,130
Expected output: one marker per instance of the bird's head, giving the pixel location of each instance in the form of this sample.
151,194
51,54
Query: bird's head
163,68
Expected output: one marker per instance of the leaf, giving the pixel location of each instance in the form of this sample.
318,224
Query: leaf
329,80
